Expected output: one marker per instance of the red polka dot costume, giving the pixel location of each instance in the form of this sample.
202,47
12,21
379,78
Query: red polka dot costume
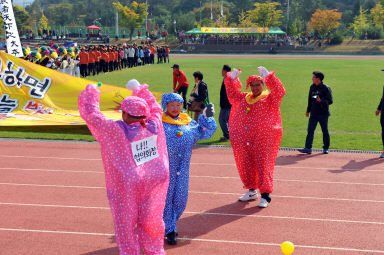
255,132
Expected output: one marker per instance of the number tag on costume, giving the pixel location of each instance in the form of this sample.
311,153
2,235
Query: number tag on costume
145,150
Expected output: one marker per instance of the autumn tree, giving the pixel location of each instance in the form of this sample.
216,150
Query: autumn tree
360,22
132,16
377,14
244,20
43,22
266,14
324,21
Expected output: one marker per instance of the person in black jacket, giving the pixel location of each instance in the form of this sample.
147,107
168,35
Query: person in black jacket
319,99
199,93
379,110
225,106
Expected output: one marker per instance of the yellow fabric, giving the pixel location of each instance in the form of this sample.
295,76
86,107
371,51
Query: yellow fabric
250,99
59,104
183,119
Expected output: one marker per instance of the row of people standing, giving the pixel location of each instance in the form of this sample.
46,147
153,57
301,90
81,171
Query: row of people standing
92,60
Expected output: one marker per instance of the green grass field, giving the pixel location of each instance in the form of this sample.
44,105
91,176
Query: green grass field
356,87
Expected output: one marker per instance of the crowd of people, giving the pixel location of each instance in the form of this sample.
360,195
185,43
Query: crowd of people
83,61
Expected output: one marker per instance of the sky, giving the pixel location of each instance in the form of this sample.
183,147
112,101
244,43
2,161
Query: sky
22,2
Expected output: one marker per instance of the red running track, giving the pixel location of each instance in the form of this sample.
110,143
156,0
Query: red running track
53,201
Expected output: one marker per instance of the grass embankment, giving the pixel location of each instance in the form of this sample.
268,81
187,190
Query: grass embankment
356,86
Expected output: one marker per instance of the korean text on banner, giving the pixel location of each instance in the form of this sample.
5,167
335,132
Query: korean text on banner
33,95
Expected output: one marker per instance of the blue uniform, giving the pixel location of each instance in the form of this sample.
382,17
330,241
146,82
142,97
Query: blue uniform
179,153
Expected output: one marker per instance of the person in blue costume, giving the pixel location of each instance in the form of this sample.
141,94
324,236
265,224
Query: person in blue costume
181,133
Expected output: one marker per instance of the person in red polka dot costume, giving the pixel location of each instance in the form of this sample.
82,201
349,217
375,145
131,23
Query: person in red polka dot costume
255,130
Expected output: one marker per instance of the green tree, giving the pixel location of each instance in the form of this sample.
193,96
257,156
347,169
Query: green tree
266,14
22,17
131,17
361,22
377,14
61,14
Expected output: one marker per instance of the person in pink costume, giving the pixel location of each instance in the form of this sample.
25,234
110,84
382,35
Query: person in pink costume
135,159
255,130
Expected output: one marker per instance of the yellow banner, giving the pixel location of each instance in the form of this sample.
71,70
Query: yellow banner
33,95
234,30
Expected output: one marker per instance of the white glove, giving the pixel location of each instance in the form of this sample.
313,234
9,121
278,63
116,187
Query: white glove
235,73
209,111
132,85
263,71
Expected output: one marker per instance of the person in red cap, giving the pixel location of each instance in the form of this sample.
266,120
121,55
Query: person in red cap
136,165
255,130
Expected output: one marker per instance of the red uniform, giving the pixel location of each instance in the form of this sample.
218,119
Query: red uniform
181,79
255,131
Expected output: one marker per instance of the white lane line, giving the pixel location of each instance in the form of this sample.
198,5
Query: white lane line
208,213
206,192
332,169
288,180
293,197
196,239
51,185
277,244
21,156
286,218
211,177
199,163
57,206
55,232
102,171
49,170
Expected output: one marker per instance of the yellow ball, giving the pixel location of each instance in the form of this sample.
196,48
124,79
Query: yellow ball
287,247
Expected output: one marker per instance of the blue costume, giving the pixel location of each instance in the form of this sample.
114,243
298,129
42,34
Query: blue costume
180,139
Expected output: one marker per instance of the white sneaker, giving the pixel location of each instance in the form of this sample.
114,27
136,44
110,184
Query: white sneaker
263,203
250,195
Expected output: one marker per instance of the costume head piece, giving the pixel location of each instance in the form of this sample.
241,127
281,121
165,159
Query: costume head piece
55,46
135,106
254,78
77,49
35,54
54,54
170,97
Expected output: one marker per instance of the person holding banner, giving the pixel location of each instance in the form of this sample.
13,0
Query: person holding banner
255,130
182,134
136,166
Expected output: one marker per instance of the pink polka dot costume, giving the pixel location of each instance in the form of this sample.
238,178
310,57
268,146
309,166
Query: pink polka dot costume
136,168
255,132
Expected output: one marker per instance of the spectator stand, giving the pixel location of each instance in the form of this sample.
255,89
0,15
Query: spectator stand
235,40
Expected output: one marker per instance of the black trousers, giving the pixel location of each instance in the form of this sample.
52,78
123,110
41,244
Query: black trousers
102,66
312,123
97,67
382,127
83,70
183,91
91,68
